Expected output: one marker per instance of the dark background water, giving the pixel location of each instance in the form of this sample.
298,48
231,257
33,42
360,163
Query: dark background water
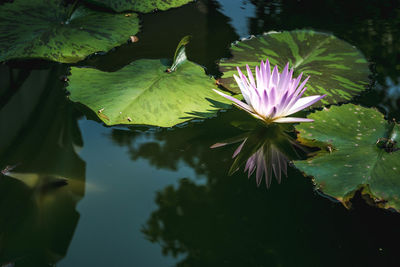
162,197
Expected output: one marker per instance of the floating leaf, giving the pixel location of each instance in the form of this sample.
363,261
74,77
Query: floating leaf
49,30
180,53
143,6
144,93
350,158
336,68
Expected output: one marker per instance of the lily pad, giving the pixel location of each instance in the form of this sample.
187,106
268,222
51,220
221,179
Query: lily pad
143,6
337,69
47,29
145,93
352,156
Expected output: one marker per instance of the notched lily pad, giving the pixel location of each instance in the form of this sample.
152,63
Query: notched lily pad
47,29
148,92
337,69
353,155
143,6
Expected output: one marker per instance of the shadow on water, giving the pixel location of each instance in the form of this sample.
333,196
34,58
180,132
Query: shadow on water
43,178
162,31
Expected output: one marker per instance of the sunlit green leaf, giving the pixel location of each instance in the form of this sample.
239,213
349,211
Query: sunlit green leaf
48,29
350,158
144,93
336,68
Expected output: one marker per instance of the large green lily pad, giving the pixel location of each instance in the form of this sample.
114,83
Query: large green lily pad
337,69
47,29
143,6
144,93
350,159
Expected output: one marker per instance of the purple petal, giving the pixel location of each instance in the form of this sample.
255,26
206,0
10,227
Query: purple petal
238,149
218,145
250,74
275,76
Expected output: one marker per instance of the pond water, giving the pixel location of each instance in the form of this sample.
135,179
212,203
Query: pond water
138,196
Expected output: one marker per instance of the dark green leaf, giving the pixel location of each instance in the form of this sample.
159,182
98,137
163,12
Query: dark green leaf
336,68
45,29
350,158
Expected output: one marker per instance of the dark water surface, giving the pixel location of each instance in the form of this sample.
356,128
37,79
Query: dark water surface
83,194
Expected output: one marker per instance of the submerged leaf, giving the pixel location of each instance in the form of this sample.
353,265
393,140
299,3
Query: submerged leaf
143,6
47,29
351,157
337,69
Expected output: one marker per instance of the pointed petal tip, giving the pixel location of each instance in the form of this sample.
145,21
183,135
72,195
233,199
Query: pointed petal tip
292,120
218,145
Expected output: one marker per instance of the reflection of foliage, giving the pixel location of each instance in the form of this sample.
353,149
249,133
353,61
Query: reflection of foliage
38,197
190,144
230,223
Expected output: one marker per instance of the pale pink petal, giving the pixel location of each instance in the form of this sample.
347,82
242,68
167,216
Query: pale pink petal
236,101
243,88
304,102
218,145
238,149
292,120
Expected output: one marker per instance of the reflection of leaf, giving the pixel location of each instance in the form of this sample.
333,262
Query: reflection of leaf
265,151
38,197
144,93
356,161
336,68
44,29
143,6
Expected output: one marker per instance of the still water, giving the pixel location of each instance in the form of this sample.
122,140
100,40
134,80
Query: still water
83,194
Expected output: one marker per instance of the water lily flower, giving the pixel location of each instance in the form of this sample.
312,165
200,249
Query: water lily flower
272,96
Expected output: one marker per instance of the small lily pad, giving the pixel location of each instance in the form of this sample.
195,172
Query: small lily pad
337,69
47,29
355,154
143,6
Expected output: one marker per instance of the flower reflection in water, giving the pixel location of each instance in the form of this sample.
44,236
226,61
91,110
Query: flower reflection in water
264,151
